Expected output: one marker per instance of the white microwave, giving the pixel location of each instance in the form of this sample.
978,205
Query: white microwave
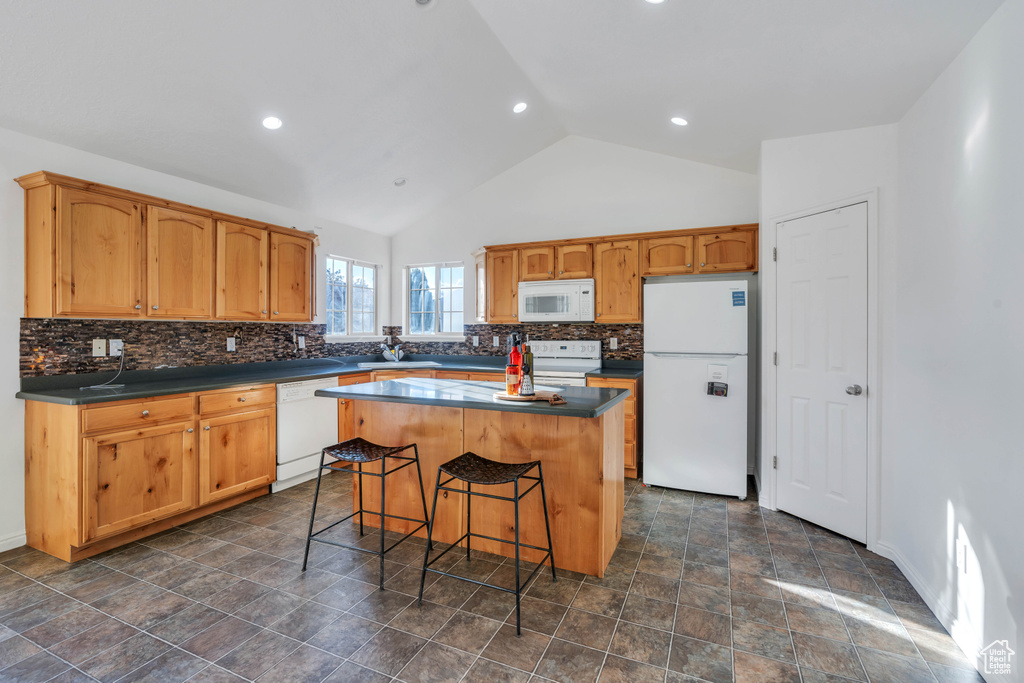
556,301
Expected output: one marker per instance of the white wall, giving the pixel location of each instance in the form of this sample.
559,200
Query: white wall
953,432
950,244
577,187
20,155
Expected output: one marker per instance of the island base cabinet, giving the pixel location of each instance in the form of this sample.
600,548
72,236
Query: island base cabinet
137,477
437,433
585,508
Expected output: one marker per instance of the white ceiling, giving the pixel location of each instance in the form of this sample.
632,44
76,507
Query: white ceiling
373,90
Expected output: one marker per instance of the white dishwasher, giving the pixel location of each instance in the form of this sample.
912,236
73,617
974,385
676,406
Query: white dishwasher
305,425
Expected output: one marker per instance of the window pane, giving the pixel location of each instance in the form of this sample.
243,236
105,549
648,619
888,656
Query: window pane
446,277
338,322
368,276
368,323
428,302
416,323
457,324
429,326
340,298
457,275
457,300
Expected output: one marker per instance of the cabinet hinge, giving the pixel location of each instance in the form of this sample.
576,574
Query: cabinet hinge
775,358
775,462
775,253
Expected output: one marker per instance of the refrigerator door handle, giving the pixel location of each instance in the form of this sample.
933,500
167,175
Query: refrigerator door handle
695,355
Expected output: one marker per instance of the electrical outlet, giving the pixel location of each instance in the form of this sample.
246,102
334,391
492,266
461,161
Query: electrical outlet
231,343
613,343
99,347
302,342
116,347
476,340
495,342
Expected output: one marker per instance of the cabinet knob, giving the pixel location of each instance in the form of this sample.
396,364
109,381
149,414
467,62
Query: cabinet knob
549,272
513,315
689,264
190,430
702,264
145,413
598,315
138,306
561,272
155,308
206,429
242,399
342,401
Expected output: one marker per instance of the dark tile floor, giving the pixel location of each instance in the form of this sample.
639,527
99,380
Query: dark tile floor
701,588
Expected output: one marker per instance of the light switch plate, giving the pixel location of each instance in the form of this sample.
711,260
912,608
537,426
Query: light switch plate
613,343
231,343
116,347
99,347
476,340
302,342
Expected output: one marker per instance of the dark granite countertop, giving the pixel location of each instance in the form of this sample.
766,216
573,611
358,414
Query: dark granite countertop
580,401
65,389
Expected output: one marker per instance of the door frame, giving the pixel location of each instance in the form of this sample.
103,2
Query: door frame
767,481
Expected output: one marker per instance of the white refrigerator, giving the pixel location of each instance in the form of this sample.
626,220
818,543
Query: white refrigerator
695,385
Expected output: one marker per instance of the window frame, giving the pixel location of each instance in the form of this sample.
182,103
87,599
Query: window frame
336,338
436,289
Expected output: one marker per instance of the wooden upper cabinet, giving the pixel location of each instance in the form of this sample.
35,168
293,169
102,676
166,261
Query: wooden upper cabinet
242,272
574,261
134,477
666,255
617,281
727,252
536,263
179,264
98,255
503,286
291,278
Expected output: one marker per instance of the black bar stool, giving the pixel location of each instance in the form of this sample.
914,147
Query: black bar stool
358,452
472,469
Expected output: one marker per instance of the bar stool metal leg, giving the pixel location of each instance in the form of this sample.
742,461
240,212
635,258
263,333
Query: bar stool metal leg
359,467
430,535
383,469
519,589
469,516
547,523
423,496
312,515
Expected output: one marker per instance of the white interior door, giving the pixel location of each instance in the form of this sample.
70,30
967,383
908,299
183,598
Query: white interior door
822,364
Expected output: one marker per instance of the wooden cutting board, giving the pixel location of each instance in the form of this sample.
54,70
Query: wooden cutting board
549,396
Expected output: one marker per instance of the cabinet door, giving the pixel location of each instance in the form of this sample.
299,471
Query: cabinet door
291,278
384,375
448,374
135,477
616,272
574,261
536,263
179,264
99,255
727,252
502,286
667,255
236,453
347,407
242,258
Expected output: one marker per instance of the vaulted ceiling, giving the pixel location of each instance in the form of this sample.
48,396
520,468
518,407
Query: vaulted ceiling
375,90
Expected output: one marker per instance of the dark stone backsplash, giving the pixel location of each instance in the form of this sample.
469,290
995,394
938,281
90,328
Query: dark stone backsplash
59,346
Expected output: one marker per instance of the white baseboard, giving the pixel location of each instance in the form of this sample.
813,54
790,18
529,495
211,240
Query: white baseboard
944,612
13,541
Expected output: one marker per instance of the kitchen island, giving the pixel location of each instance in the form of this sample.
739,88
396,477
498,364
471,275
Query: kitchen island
579,444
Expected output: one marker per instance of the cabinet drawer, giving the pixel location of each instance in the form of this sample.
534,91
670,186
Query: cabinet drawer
134,414
446,374
630,429
629,457
488,377
630,407
237,398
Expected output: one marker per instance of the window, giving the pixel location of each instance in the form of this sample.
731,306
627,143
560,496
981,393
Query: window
351,297
435,298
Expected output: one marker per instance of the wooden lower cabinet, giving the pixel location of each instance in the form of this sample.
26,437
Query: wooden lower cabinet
347,407
633,404
100,475
136,477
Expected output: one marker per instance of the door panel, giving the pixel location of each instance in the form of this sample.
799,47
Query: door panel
99,255
291,261
536,263
822,346
236,453
179,259
617,275
242,272
502,286
727,252
667,255
135,477
574,261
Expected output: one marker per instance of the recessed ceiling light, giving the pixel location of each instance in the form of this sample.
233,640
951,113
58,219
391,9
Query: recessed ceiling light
655,2
679,121
272,122
399,182
519,108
